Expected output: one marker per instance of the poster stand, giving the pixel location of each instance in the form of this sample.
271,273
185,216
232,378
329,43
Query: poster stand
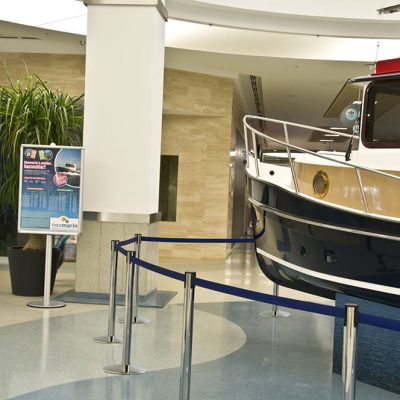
50,200
47,303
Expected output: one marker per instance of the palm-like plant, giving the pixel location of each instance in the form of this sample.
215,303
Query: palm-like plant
31,113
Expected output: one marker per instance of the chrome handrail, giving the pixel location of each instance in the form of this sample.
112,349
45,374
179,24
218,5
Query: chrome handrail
296,184
289,147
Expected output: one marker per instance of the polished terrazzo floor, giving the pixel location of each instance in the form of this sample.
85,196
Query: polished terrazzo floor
237,353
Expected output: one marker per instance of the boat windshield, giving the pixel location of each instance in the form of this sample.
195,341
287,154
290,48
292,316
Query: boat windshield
382,116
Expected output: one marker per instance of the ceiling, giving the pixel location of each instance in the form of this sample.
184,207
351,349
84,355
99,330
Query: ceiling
301,51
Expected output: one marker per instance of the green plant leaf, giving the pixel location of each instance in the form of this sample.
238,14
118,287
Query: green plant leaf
31,113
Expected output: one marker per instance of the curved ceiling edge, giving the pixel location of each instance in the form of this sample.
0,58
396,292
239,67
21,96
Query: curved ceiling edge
231,17
356,9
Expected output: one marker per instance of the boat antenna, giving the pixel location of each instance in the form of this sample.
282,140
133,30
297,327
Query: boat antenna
349,148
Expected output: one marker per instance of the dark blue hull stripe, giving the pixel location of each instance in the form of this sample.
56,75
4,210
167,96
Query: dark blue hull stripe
332,278
315,248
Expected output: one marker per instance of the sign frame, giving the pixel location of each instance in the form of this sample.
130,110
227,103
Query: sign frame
49,231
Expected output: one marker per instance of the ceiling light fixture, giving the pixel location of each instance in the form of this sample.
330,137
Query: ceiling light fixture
332,134
389,10
326,140
338,128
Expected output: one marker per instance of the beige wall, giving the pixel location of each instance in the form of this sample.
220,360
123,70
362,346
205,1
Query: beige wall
236,181
62,71
197,127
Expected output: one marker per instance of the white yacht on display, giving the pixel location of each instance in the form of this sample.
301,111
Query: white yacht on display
329,222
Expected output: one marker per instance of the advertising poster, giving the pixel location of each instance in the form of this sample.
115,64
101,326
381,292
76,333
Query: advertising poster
50,194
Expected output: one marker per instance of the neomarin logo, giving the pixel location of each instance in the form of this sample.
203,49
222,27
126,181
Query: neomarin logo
64,223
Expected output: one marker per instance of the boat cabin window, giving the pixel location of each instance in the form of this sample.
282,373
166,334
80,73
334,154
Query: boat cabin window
382,118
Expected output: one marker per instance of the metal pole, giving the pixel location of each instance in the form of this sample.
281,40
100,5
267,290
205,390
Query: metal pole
47,270
349,352
246,143
187,336
363,197
275,306
253,136
110,337
275,313
47,303
296,185
135,318
126,350
125,368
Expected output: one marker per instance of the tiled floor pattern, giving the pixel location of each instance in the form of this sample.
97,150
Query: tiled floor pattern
237,354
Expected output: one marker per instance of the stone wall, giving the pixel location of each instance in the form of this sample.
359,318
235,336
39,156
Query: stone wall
197,127
237,222
61,71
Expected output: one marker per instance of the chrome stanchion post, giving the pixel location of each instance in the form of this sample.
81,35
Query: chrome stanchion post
274,306
187,336
47,303
125,368
111,338
349,352
136,319
275,313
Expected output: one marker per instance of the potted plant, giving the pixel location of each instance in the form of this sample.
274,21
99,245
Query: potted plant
31,113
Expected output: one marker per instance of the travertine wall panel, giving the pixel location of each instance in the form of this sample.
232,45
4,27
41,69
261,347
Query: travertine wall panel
197,126
61,71
237,223
202,140
193,93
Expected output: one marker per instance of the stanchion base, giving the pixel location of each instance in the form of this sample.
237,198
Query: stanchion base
108,339
278,314
138,320
51,304
124,369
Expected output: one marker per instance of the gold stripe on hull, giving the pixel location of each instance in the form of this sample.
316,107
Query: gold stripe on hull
381,193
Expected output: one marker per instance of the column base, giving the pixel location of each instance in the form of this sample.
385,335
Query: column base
94,251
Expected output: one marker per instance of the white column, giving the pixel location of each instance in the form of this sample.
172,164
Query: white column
122,132
123,106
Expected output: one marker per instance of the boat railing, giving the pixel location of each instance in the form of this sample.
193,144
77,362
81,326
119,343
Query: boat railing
251,147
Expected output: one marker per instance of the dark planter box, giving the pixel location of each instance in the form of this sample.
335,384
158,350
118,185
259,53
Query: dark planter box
27,270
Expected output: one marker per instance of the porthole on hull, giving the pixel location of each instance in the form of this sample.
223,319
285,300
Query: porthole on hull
321,184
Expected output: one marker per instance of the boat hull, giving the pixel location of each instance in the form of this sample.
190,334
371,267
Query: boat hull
323,250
